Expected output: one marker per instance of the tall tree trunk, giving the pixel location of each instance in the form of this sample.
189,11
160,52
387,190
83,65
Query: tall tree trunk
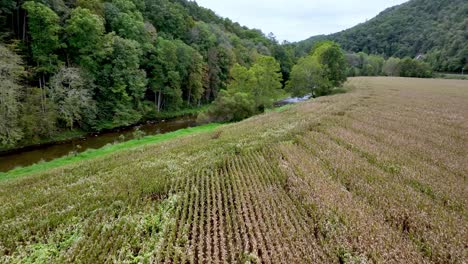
159,100
24,26
156,106
189,96
13,22
42,95
68,59
18,21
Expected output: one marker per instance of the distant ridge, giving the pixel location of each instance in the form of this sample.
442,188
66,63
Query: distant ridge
436,29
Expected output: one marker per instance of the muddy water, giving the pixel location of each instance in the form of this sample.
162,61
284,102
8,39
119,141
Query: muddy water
28,156
31,155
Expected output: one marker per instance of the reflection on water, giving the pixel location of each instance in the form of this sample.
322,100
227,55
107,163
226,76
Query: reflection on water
49,152
33,155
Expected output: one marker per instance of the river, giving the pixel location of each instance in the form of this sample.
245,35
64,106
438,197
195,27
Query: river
46,152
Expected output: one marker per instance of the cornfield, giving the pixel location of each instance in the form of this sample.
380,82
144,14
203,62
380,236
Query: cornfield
374,175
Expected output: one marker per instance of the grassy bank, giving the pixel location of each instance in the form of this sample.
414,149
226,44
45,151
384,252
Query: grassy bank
93,153
374,175
452,76
74,134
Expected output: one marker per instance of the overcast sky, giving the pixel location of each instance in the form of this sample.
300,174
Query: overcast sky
295,20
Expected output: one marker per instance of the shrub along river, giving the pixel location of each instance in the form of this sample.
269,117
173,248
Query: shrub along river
46,152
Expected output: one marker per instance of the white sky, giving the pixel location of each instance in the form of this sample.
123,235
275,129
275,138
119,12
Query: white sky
295,20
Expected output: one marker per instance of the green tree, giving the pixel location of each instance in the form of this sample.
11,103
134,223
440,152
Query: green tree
121,83
308,76
374,64
131,52
85,32
165,80
220,60
192,80
176,74
11,70
330,55
266,83
354,64
37,120
169,17
72,95
250,91
414,68
262,81
230,105
126,20
95,6
391,67
44,29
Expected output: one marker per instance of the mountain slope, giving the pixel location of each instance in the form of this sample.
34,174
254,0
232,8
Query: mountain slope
435,28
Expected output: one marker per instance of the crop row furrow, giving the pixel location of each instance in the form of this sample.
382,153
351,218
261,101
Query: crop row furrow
182,223
200,250
295,210
279,249
214,223
233,216
193,235
413,214
300,241
221,214
248,238
250,181
415,173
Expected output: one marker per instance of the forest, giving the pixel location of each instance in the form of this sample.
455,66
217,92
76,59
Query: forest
70,67
434,30
92,65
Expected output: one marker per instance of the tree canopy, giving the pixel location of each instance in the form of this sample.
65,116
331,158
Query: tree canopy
137,59
317,74
132,60
435,29
251,91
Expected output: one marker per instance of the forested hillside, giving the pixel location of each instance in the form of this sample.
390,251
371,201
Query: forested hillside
436,29
92,64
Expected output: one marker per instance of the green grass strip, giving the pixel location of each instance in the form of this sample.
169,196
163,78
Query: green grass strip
93,153
279,109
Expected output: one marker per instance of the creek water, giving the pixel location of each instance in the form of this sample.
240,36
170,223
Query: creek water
46,152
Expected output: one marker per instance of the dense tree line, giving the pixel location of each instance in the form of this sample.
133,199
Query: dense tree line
318,73
251,91
433,29
254,89
99,64
362,64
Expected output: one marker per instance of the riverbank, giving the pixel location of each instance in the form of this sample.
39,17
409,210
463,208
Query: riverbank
63,136
67,135
45,153
93,153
